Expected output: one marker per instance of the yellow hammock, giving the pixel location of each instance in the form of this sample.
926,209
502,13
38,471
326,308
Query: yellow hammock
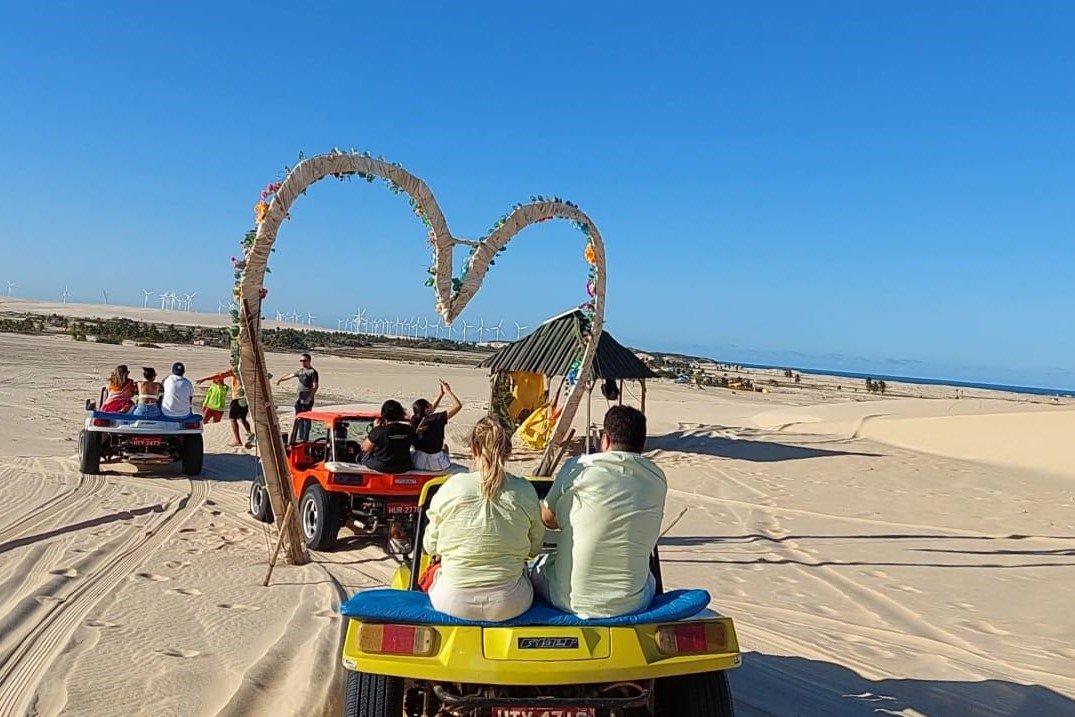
537,427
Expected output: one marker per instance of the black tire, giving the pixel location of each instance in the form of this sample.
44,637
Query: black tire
373,695
706,694
319,515
191,453
89,452
260,506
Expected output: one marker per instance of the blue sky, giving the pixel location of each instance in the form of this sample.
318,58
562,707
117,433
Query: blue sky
844,185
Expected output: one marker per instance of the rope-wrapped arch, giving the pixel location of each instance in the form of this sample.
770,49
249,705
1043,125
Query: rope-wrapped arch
452,295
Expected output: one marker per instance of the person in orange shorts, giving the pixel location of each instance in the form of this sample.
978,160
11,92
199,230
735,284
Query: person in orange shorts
237,409
216,397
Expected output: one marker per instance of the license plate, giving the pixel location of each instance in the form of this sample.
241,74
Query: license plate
402,508
543,712
145,441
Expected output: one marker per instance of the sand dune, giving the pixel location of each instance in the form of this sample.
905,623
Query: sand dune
907,556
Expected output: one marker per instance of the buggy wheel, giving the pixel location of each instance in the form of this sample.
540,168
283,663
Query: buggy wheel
319,514
260,505
191,453
373,695
89,452
706,694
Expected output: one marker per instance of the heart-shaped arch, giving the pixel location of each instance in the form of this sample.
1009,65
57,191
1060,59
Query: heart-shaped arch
452,294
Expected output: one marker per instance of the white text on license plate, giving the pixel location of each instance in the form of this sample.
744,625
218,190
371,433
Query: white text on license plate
402,508
542,712
141,441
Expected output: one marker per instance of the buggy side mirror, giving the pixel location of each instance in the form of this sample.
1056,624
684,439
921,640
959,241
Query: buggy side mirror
91,405
283,437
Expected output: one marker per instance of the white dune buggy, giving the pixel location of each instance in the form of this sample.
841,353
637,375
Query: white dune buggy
141,440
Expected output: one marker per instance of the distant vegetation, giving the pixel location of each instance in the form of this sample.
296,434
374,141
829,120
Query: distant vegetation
151,335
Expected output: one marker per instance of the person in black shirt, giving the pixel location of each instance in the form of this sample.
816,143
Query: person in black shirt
387,448
430,453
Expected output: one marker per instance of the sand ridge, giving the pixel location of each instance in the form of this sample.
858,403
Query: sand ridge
880,556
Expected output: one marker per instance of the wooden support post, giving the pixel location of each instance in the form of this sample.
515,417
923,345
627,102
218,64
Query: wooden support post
643,382
279,542
274,464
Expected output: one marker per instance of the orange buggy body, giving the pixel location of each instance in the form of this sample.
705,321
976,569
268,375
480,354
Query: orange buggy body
334,489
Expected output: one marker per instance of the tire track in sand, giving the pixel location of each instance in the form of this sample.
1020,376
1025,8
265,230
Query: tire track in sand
40,513
27,665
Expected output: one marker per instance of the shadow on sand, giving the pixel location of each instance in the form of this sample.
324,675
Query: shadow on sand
742,449
769,685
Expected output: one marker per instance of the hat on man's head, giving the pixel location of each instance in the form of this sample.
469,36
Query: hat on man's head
178,369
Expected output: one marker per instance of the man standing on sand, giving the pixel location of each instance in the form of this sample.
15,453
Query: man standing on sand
238,409
178,398
307,376
608,507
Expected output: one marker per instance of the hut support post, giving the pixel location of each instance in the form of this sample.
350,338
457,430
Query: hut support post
589,433
643,382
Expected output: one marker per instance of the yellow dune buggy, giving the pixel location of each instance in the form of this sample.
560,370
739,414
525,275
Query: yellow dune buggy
405,658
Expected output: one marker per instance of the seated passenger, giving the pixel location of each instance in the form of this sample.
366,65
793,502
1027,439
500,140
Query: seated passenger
608,507
387,448
121,389
430,452
149,392
484,525
178,400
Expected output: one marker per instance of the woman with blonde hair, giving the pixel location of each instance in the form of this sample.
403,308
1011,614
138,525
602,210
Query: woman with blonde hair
484,525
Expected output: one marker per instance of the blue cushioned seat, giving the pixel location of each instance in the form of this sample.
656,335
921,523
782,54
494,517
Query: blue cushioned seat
136,417
412,606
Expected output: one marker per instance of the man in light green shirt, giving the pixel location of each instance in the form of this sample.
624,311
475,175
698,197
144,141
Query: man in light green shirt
608,507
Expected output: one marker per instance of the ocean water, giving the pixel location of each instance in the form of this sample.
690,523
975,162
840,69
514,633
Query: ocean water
1033,390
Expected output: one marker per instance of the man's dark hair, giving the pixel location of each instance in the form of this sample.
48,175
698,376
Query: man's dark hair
392,411
626,429
305,356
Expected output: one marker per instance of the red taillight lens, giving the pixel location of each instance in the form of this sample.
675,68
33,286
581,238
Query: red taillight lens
397,639
102,422
692,637
193,425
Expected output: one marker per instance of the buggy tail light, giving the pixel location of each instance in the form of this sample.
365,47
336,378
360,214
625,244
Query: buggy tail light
692,637
102,422
192,425
414,640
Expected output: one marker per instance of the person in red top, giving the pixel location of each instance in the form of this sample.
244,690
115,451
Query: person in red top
121,389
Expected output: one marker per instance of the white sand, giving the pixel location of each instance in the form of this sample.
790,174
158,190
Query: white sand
896,556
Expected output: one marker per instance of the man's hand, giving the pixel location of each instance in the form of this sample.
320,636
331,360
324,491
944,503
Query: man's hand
549,518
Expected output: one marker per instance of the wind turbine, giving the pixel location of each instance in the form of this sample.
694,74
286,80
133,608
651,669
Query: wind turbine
105,292
279,315
220,306
10,285
425,328
164,299
65,294
190,300
466,326
310,319
417,325
497,329
145,301
519,330
481,330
